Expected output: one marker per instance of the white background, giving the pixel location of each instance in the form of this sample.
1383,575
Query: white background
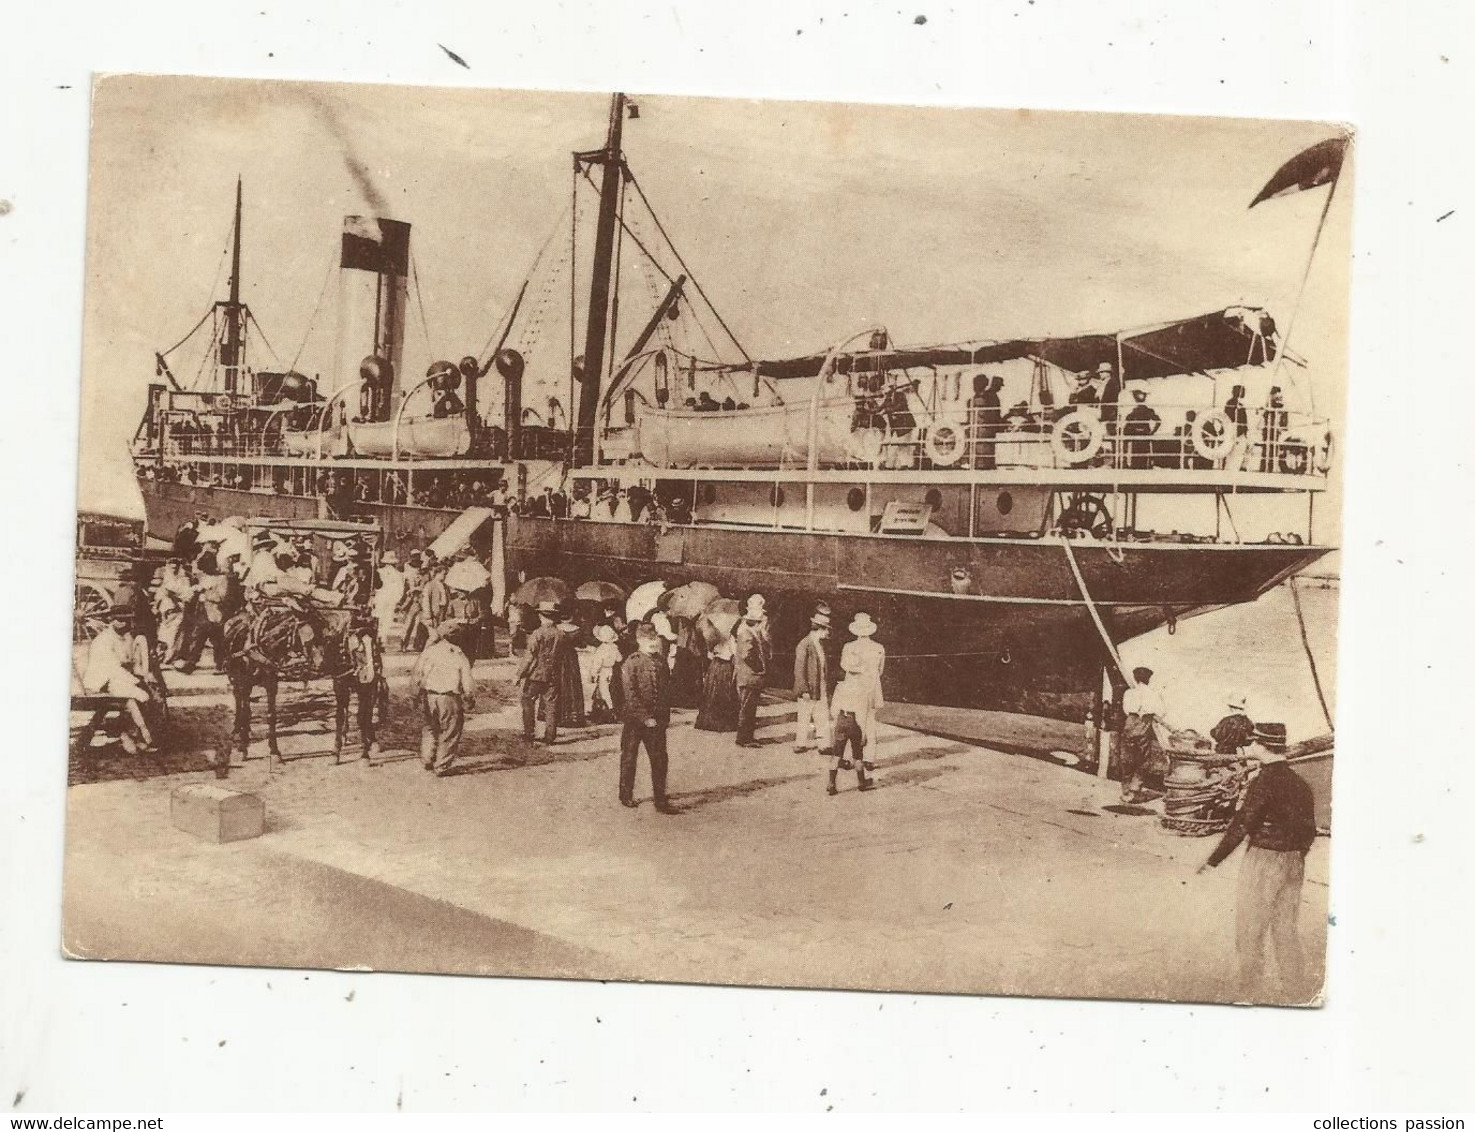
1396,1032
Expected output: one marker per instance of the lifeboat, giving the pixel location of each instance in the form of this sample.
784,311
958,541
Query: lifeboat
430,438
763,437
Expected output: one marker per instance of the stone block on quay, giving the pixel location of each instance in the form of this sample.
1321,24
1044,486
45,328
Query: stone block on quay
216,814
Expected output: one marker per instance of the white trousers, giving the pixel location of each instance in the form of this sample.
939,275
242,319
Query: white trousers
813,715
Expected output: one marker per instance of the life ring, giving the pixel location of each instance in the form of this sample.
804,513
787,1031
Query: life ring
866,445
1213,435
1076,437
946,442
1293,456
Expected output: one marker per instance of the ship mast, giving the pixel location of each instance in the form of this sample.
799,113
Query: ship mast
600,283
235,316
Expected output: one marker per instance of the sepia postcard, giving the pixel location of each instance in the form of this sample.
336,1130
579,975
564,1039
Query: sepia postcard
654,538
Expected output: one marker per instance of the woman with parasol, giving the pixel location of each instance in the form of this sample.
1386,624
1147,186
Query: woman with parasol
718,710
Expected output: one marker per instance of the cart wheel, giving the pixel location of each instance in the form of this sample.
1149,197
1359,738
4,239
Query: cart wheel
88,602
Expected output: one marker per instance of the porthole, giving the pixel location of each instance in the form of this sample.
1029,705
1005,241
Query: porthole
855,499
933,499
1005,503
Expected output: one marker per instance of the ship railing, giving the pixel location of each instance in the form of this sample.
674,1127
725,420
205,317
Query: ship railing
960,436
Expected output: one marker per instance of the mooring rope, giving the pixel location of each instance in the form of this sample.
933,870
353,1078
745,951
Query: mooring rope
1310,657
1070,556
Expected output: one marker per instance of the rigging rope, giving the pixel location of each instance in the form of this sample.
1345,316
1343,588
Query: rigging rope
312,318
1310,657
689,273
252,317
203,319
420,301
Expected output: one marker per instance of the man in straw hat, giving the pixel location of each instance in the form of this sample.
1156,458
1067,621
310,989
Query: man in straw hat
1279,818
645,683
442,678
812,685
752,652
870,655
538,674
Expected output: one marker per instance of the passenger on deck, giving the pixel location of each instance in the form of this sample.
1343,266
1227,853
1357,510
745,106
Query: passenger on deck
728,404
984,419
1142,422
705,403
1239,421
902,424
1272,429
1084,392
1110,394
579,506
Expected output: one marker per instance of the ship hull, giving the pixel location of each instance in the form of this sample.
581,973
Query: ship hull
1010,633
987,623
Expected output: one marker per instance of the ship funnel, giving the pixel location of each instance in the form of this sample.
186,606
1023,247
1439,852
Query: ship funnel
371,311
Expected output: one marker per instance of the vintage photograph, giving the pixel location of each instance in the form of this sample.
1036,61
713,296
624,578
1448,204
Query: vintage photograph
671,539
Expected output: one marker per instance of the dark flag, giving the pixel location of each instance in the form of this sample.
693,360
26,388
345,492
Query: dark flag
370,244
1318,165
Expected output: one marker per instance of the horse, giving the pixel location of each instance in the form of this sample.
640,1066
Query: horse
268,643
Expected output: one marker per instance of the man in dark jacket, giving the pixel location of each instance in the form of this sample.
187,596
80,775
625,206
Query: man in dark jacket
645,682
750,666
1278,816
812,685
538,674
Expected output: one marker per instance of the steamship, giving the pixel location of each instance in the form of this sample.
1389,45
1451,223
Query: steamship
1002,508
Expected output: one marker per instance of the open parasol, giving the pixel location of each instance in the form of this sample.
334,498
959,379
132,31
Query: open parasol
600,593
643,599
535,591
232,541
717,623
467,575
691,599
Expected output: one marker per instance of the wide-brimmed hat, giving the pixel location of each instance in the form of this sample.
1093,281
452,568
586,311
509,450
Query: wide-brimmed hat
263,538
605,634
1238,702
568,624
757,604
820,621
548,607
1139,394
863,626
389,558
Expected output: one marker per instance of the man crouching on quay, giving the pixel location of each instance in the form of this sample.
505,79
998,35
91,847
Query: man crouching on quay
646,683
445,686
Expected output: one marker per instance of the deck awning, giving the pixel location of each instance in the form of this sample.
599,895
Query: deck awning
1226,339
